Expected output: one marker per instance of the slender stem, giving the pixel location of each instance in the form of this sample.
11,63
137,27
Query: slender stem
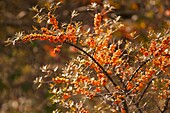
107,89
138,69
104,71
143,93
138,108
124,103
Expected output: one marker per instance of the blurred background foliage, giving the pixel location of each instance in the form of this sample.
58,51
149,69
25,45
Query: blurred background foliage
19,64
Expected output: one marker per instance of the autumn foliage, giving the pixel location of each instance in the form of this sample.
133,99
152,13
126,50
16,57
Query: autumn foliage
116,75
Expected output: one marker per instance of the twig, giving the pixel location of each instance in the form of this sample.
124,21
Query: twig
104,71
143,93
124,104
138,69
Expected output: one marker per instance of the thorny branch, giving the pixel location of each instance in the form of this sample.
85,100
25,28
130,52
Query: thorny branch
104,71
138,69
143,93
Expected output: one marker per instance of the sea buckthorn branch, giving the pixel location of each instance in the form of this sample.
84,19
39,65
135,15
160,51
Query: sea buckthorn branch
135,72
118,75
48,35
124,101
127,94
137,101
139,67
104,71
134,102
109,60
147,86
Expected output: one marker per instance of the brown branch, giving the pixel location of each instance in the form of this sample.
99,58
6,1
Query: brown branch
143,93
138,69
138,108
124,103
104,71
132,76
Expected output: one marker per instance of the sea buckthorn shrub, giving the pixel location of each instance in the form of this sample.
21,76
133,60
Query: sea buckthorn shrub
116,75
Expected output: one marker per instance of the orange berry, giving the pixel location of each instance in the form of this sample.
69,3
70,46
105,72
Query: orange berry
66,95
98,89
